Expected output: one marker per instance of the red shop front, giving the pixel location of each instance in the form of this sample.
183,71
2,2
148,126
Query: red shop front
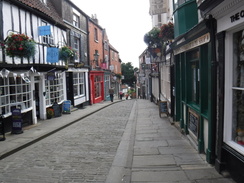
97,86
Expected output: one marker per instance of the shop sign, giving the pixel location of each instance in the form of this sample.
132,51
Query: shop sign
16,121
231,19
237,16
52,55
66,106
44,30
193,44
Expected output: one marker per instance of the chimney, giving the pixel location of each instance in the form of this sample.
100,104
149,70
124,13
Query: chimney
94,18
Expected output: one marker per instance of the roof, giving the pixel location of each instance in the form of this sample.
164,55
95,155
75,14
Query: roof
113,48
46,9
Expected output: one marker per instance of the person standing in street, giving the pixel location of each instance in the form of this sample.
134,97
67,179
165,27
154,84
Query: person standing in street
111,93
121,95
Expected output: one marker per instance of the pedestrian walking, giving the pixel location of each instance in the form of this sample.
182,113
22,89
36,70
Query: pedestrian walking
111,93
121,95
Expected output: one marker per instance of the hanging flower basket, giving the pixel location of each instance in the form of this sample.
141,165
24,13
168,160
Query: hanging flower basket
20,45
167,31
67,53
152,38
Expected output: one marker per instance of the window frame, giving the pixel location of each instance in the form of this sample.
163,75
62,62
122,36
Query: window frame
194,77
79,84
54,90
229,90
76,20
47,39
14,92
95,34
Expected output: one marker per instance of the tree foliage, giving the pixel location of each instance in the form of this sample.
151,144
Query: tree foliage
128,73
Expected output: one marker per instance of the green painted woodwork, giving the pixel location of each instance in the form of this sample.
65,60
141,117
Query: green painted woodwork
185,17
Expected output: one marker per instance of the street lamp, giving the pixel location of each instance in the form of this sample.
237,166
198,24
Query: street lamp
96,56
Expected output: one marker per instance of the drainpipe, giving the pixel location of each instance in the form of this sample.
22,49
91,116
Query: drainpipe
211,25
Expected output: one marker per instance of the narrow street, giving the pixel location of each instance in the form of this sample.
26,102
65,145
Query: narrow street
124,142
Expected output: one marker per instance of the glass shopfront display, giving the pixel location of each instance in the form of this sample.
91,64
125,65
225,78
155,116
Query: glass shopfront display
54,90
14,92
238,88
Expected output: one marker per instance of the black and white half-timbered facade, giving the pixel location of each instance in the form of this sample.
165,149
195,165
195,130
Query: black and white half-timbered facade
32,78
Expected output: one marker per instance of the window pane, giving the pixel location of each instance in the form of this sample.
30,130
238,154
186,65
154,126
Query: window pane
238,92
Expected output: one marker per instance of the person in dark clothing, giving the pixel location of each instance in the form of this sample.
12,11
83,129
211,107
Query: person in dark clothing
121,95
111,93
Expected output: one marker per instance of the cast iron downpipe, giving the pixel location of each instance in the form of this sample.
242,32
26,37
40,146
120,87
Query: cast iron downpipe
211,25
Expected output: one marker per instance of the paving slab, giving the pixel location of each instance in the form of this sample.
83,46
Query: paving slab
153,160
158,176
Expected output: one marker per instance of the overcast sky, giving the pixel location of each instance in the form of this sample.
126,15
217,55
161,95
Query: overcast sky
126,22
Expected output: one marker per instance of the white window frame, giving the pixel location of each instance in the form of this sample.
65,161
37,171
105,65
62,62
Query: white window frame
79,84
54,90
228,110
47,39
16,93
76,20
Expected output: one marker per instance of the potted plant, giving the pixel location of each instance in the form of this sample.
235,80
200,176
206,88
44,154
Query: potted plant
67,53
20,45
50,113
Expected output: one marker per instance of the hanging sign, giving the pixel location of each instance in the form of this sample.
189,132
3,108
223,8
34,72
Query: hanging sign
52,55
148,60
51,75
44,30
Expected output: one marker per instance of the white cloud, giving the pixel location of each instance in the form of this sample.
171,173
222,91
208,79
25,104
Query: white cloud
125,22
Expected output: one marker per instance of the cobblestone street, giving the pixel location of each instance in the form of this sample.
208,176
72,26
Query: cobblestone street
83,152
124,142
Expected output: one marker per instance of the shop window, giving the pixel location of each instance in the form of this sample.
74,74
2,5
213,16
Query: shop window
194,77
54,90
238,88
14,93
79,85
97,86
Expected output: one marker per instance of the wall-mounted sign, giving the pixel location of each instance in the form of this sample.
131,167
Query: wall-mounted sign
44,30
52,55
237,16
193,44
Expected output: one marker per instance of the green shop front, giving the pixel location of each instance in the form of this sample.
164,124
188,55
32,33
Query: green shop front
194,92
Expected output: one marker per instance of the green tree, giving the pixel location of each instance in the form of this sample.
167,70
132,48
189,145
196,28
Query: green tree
128,72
